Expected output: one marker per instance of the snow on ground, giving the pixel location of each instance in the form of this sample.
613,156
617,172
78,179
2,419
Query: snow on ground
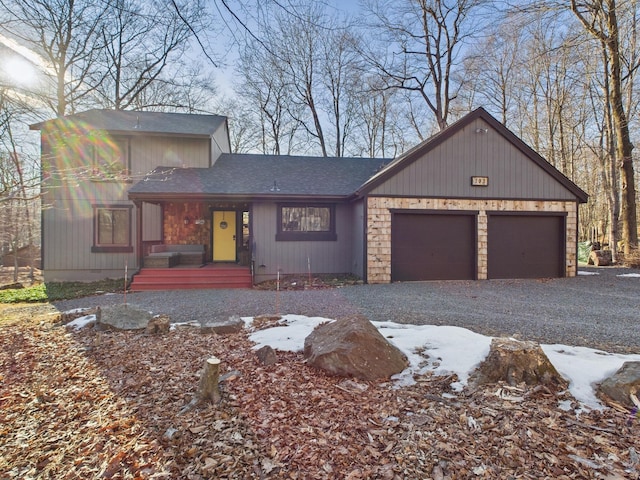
81,322
446,350
629,275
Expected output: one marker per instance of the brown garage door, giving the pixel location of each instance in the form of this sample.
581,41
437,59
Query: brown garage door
525,246
431,246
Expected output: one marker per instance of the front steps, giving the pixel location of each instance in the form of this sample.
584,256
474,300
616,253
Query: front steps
208,276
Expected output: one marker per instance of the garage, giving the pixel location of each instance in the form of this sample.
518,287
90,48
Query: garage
526,246
433,246
471,202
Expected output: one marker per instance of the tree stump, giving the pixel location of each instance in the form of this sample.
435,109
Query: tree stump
208,387
516,362
208,390
600,258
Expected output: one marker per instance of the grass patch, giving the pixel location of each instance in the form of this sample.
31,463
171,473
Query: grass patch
51,292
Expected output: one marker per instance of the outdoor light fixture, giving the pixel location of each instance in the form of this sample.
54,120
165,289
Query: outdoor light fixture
275,187
482,131
187,220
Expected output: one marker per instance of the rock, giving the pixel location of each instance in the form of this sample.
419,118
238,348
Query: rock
353,347
158,324
223,327
266,355
600,258
121,317
515,362
621,385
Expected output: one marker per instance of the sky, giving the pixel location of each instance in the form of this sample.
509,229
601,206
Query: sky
445,350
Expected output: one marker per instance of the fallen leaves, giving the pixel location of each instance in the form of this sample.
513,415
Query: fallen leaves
94,404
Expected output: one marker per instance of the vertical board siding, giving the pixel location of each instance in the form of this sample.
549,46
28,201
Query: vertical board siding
68,245
219,144
291,257
446,170
148,153
151,222
358,239
68,208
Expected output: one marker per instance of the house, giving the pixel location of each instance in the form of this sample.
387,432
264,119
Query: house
162,194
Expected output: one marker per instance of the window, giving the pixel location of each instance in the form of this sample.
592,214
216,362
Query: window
112,229
306,222
111,158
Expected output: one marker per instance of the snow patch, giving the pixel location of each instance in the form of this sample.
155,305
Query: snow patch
443,350
82,322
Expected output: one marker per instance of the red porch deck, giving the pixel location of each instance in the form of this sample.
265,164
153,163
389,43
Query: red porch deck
208,276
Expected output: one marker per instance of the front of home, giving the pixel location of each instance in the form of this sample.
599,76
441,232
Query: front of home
162,192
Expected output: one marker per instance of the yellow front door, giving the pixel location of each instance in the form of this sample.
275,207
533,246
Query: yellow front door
224,236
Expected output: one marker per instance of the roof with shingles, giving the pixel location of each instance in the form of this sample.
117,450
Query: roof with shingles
131,121
262,175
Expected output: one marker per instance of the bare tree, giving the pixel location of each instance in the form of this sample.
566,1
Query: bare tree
144,44
67,34
600,19
19,184
265,87
304,68
423,40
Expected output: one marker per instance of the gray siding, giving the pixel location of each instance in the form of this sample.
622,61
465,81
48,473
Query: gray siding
358,240
151,222
446,170
67,224
220,143
68,241
291,257
148,153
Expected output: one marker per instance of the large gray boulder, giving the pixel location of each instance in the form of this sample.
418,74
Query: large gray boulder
122,317
353,347
622,385
227,326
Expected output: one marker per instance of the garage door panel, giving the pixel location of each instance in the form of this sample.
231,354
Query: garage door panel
525,246
433,247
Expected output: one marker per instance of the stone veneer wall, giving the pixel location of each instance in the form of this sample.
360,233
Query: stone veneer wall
379,227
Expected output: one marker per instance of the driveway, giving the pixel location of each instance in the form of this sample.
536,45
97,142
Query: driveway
598,311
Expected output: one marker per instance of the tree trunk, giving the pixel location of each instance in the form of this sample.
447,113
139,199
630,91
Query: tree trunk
623,152
589,14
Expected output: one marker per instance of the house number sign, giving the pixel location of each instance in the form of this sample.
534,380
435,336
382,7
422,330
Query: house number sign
480,181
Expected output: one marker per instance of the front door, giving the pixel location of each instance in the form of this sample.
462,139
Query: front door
224,236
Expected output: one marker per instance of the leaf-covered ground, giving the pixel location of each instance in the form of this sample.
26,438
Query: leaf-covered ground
94,404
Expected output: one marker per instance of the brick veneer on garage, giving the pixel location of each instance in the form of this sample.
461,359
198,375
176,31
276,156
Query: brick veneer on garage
379,227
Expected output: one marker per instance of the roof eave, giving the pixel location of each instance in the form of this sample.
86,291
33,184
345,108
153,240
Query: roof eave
162,197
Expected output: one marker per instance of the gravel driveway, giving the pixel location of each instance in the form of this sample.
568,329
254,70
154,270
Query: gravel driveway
599,311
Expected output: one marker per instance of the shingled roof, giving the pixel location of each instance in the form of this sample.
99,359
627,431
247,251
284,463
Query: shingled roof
131,121
247,175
